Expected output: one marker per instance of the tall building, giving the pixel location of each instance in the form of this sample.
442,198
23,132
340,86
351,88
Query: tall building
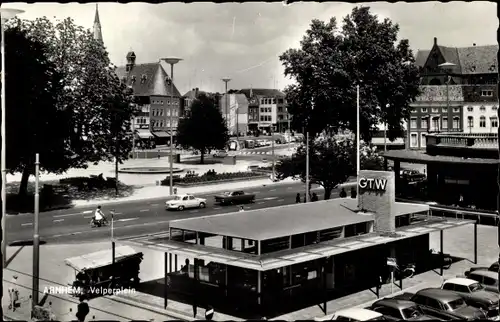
467,104
97,25
237,113
151,85
266,110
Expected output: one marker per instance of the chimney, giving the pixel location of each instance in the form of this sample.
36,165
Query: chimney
474,44
435,41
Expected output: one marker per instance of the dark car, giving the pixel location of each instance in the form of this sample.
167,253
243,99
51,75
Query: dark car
400,310
488,278
492,268
235,197
446,305
474,294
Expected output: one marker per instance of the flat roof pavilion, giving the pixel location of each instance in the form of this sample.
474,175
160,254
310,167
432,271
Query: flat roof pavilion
276,222
419,157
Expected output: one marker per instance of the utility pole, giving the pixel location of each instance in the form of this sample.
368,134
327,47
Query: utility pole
113,248
133,137
272,152
36,237
307,165
358,161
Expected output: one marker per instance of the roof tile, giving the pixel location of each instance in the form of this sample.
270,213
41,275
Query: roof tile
154,83
261,92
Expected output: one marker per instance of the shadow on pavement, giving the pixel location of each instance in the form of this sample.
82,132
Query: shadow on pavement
11,258
23,243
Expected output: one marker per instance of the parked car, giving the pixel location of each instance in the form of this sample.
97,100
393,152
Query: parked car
182,202
220,154
474,294
493,267
353,314
489,279
400,310
444,304
234,197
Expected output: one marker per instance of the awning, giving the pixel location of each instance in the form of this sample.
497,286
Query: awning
144,134
161,134
99,259
174,133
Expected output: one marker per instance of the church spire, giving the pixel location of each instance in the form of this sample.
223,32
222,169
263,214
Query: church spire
97,25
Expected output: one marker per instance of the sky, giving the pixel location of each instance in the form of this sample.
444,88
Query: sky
243,41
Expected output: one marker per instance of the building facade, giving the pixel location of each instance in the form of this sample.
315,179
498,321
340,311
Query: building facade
236,115
267,110
467,104
152,88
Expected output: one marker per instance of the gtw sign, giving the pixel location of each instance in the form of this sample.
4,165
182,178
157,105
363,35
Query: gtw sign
372,184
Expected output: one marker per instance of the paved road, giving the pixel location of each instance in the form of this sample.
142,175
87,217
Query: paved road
137,217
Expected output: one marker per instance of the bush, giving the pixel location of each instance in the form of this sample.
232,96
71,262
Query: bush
219,176
166,181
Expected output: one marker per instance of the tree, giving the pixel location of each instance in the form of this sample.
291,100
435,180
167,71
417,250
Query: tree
332,61
330,163
89,94
204,129
35,123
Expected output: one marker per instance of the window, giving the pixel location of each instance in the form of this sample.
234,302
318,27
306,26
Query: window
470,122
444,123
494,121
413,123
423,141
424,110
456,123
435,110
168,112
482,121
494,108
435,124
489,281
162,111
449,287
414,110
470,109
161,102
487,93
424,123
456,110
414,140
462,288
482,109
444,110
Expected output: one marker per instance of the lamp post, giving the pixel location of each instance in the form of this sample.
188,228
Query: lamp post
5,14
36,237
171,61
226,80
447,67
358,161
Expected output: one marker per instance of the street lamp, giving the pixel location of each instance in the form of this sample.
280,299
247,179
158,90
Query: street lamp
226,80
447,67
5,15
171,61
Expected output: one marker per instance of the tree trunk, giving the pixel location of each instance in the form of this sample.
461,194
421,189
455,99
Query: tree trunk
23,188
328,193
202,156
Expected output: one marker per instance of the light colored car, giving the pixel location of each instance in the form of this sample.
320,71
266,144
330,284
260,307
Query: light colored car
354,314
220,154
182,202
474,293
488,278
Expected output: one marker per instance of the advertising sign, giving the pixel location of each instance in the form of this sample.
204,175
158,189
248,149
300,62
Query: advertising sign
372,184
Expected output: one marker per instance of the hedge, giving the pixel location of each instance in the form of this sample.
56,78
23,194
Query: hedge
211,177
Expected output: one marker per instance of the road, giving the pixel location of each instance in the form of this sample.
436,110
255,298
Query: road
137,217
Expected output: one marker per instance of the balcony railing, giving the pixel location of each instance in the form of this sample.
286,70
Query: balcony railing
470,140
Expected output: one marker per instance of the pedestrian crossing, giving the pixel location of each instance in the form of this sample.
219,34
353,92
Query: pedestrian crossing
251,152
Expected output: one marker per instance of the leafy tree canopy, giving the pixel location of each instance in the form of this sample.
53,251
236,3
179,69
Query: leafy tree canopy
204,129
96,106
332,160
330,63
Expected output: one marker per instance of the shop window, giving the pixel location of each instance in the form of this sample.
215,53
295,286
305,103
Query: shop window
298,241
329,234
355,230
274,245
413,140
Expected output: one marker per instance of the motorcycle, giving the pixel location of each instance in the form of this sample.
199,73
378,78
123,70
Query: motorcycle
98,223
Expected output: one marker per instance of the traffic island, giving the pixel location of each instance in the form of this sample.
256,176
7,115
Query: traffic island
149,170
214,178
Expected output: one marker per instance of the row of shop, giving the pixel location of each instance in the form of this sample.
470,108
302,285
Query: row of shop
147,139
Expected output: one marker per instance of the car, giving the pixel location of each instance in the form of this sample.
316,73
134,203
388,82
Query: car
436,301
474,294
353,314
400,310
489,279
220,154
182,202
234,197
493,268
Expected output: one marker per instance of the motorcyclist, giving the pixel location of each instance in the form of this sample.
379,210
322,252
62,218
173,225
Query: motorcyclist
99,216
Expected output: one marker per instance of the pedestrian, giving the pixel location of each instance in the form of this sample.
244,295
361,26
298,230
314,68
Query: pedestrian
297,198
241,209
353,193
13,294
314,197
342,193
83,309
305,197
